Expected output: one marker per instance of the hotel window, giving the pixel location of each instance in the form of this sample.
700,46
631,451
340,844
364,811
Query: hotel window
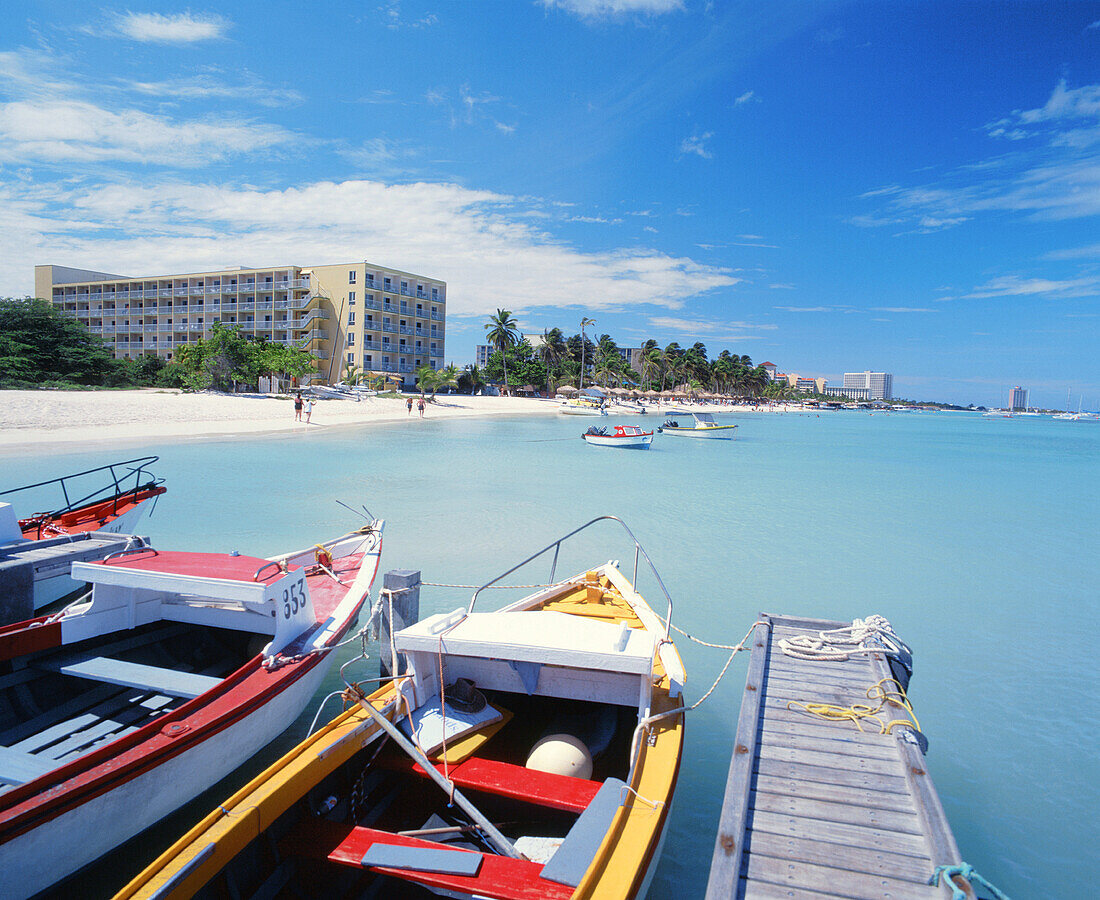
351,277
435,293
388,284
404,286
367,361
351,356
351,338
351,318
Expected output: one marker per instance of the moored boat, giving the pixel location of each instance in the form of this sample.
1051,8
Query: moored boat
123,707
629,436
703,426
554,728
84,510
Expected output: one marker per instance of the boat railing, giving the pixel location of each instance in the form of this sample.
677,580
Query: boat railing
127,479
140,547
639,554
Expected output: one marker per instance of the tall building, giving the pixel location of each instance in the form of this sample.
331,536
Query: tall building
880,385
1017,398
381,320
852,393
770,368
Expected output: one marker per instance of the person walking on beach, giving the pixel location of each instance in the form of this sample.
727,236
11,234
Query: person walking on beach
309,409
420,405
298,407
409,405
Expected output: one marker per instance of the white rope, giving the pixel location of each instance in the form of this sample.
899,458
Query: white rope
871,635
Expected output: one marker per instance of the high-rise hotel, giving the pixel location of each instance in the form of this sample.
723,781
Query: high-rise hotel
381,320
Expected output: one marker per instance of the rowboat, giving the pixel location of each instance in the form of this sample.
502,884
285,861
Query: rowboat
557,735
630,436
86,510
704,427
582,406
177,669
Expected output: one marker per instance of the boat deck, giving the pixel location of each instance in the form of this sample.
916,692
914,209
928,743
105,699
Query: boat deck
817,808
55,556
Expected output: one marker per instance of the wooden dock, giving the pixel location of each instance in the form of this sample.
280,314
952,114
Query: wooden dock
817,808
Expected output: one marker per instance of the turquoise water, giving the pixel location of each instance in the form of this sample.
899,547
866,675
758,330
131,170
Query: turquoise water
976,537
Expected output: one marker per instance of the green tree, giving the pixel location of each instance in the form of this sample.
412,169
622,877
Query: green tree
447,377
501,333
41,345
552,351
470,380
427,379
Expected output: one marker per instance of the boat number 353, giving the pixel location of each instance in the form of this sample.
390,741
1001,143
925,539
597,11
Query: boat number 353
294,599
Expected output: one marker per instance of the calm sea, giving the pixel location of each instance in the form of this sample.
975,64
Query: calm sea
976,537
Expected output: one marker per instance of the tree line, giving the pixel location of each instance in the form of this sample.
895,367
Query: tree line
42,347
580,361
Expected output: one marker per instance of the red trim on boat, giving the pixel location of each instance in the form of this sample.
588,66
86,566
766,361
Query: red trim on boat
30,636
492,776
87,518
207,565
499,878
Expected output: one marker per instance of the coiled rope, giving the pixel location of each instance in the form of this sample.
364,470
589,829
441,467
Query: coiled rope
966,871
871,635
859,711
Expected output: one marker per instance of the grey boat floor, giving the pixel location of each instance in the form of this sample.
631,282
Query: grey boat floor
817,808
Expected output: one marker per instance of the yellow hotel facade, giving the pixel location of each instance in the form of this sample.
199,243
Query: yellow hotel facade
381,320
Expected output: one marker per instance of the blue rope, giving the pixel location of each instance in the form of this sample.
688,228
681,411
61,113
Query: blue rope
967,872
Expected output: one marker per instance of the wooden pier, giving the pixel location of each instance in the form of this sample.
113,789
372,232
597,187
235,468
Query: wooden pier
817,808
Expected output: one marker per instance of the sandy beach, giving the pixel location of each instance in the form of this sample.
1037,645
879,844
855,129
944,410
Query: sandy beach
44,419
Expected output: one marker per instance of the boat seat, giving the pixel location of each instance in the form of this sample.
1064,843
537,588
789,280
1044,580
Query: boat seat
503,779
497,878
128,674
18,768
572,859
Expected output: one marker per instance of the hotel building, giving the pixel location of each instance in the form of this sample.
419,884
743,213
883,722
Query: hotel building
1017,399
879,385
381,320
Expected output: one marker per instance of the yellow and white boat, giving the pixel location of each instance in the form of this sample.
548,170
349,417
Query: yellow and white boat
583,406
703,426
555,745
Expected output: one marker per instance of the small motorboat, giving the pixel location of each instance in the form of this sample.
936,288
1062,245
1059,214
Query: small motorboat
704,426
530,752
175,671
582,406
630,436
88,514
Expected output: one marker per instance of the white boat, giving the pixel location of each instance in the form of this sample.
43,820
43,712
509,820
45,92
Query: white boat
582,406
997,414
181,666
704,427
629,436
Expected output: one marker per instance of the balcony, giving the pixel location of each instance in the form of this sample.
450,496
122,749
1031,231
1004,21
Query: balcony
404,348
371,283
406,291
420,295
96,329
392,329
372,345
405,310
388,307
438,353
371,304
438,316
149,327
405,329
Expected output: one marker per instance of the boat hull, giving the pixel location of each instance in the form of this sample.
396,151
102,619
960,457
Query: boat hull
104,822
720,432
581,411
630,442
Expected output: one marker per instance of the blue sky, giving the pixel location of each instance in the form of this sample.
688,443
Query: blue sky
912,187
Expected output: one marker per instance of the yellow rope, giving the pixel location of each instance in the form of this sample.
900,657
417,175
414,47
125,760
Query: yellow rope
859,711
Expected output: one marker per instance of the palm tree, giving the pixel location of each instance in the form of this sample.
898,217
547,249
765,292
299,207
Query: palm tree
551,352
471,376
651,363
351,374
447,378
501,330
585,322
427,379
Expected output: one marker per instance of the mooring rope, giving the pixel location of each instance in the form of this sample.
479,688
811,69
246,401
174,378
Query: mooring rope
857,711
871,635
965,871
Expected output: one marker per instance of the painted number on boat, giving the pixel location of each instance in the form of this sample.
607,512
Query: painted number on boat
294,599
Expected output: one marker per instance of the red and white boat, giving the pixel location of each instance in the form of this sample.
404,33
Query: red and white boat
181,666
107,500
620,436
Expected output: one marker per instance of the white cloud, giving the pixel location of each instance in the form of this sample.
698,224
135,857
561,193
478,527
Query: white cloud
183,28
392,18
808,309
745,98
478,241
217,87
1088,252
57,131
902,309
1015,286
781,287
697,144
716,329
597,9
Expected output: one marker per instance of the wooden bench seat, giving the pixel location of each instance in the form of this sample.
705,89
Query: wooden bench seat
498,877
503,779
18,768
128,674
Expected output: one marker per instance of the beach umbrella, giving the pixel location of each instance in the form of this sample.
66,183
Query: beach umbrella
652,394
567,389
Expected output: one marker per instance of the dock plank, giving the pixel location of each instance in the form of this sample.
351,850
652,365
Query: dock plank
819,808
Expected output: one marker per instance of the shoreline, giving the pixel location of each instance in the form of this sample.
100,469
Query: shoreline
50,421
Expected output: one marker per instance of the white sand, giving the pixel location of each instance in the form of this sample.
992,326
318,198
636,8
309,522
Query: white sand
54,419
33,419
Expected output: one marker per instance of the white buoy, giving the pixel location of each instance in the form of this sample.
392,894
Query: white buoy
561,754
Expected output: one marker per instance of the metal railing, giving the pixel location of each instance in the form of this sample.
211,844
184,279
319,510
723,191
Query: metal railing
639,552
127,479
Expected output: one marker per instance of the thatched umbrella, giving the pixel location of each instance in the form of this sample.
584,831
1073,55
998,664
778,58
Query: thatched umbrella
619,392
567,389
652,394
